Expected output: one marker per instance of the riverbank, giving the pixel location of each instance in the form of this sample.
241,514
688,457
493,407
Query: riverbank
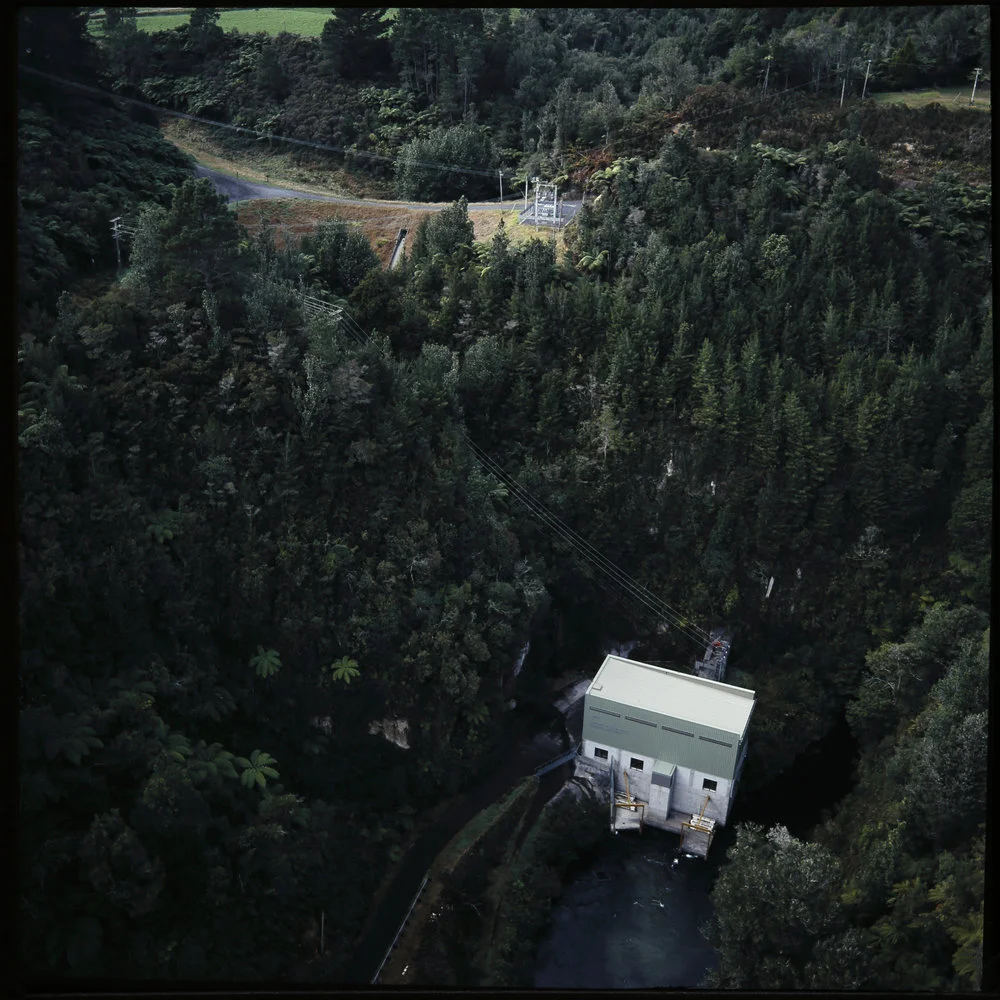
385,918
414,959
450,938
481,924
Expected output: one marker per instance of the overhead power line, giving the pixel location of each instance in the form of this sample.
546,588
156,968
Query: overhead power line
651,605
367,154
660,609
325,147
755,102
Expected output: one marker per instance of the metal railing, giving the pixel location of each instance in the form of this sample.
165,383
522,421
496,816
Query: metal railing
402,927
556,761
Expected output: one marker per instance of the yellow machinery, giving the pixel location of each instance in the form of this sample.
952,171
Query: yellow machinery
703,830
704,806
626,801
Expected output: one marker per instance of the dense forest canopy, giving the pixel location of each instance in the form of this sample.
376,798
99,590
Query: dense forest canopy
247,536
523,89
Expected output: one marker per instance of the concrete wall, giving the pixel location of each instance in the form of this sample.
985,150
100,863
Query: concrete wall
659,804
689,795
662,737
638,780
686,795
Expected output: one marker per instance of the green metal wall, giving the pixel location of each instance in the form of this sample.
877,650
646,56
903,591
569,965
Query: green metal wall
643,732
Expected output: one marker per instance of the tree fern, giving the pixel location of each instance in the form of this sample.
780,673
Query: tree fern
257,769
265,662
212,761
344,670
178,747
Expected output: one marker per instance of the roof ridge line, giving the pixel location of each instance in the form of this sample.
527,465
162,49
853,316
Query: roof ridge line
677,673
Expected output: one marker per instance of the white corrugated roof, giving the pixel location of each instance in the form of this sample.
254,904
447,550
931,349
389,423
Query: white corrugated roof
667,692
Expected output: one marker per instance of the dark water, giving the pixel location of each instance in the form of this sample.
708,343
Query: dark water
632,918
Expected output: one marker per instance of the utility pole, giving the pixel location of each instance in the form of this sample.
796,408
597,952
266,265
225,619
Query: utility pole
979,70
536,203
843,87
526,193
117,228
865,87
767,72
116,233
500,174
322,932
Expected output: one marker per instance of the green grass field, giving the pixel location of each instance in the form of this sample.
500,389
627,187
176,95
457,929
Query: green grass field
950,97
273,20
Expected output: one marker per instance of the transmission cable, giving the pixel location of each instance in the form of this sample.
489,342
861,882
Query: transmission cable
588,551
635,592
346,150
660,608
760,99
580,544
326,147
592,555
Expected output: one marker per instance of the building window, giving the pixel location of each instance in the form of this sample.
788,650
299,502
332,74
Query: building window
636,764
600,754
709,785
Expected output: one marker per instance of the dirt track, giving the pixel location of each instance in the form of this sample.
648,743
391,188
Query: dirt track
239,190
236,189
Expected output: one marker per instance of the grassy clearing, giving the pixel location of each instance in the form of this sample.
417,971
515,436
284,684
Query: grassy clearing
306,21
290,216
487,223
294,217
272,20
264,166
950,97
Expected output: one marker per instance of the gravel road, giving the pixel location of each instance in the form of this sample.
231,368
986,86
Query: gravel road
240,190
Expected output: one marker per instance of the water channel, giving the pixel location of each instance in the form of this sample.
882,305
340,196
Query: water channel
632,919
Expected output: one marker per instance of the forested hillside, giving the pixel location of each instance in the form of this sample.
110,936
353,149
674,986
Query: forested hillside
546,90
247,533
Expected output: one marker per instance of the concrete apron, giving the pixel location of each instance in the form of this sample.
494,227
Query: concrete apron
692,840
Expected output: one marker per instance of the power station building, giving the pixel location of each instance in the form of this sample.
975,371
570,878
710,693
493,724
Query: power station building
674,745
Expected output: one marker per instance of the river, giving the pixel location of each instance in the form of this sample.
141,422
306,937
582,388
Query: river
632,917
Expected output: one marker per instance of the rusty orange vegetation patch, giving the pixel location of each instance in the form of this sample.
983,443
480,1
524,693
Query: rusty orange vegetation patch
294,217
